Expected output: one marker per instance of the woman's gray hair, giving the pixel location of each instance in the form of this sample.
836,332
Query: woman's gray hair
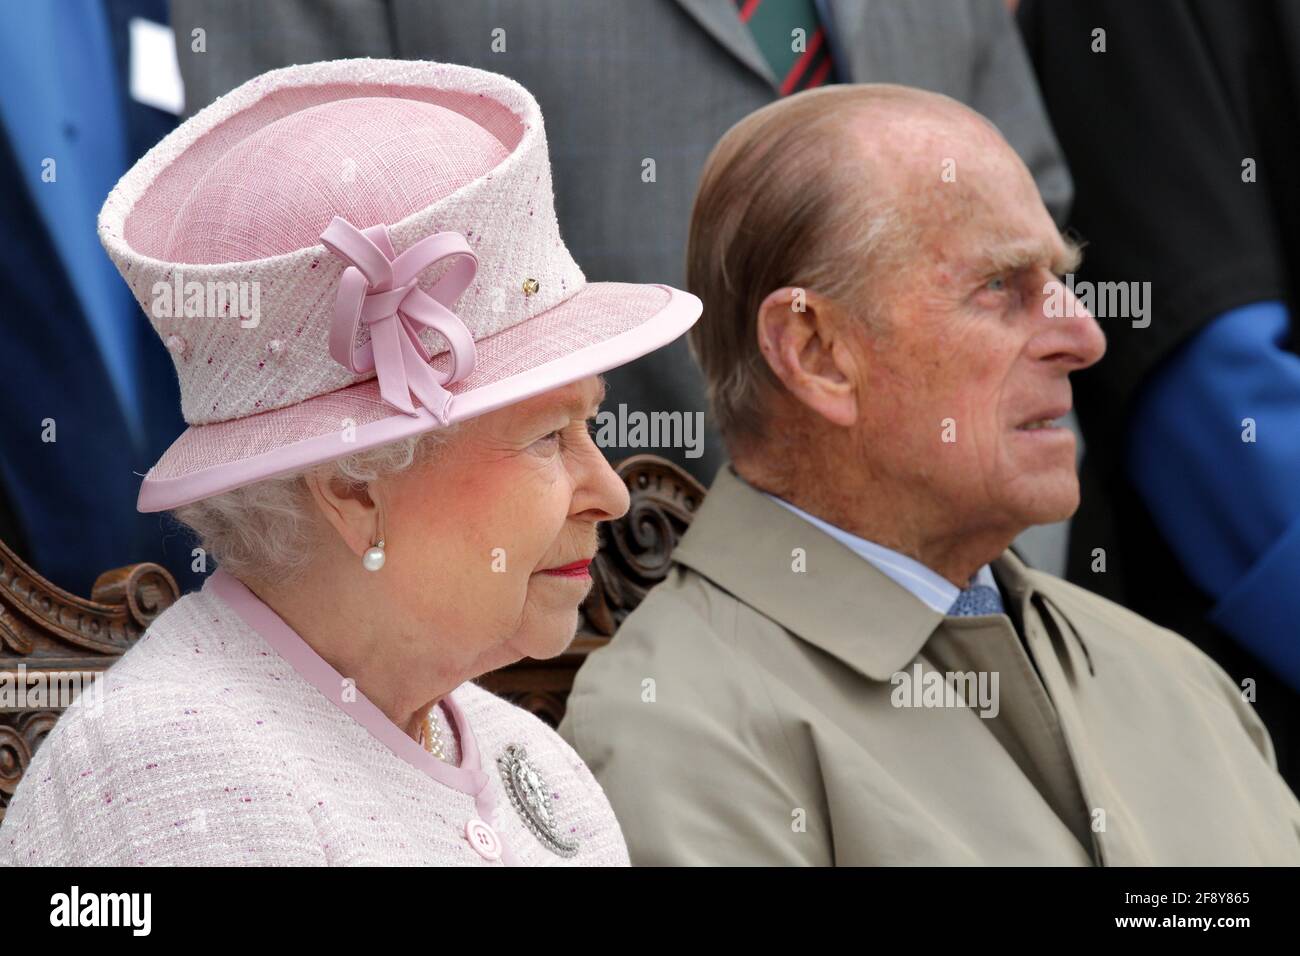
267,530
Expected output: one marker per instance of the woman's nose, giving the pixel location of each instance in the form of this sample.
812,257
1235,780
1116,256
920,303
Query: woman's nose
600,490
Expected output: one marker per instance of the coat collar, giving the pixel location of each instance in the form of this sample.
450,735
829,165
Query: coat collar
745,543
748,545
719,19
1032,591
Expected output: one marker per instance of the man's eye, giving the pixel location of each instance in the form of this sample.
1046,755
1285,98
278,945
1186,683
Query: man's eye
997,284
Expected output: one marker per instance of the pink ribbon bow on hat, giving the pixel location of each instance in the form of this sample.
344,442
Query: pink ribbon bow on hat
380,290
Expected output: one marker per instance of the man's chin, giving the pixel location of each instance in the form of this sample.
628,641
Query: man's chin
1041,495
1052,504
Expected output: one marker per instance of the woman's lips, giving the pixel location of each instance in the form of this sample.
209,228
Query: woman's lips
578,569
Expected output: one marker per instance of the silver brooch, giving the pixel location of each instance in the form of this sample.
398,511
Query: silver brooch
532,801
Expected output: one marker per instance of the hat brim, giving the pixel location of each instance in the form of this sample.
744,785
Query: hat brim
603,326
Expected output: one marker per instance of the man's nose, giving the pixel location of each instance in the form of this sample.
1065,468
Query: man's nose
1073,336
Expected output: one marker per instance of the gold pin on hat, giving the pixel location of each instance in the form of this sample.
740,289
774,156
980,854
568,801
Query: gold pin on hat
531,286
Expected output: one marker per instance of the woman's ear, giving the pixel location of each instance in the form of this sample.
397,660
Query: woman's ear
805,339
349,508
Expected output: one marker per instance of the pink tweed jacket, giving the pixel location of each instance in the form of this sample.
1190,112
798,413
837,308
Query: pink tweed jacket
221,738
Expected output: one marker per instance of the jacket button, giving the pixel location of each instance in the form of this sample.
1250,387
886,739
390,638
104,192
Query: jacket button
483,839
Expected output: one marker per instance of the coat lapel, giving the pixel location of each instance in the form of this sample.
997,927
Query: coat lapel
1024,585
750,546
722,22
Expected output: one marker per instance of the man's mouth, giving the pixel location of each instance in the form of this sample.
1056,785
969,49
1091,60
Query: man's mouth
1047,419
1036,425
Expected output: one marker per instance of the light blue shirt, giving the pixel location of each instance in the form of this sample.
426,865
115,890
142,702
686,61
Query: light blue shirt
928,586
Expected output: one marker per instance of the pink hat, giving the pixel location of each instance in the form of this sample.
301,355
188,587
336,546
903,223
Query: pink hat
343,254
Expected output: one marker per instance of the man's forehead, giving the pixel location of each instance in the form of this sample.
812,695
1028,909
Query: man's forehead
970,203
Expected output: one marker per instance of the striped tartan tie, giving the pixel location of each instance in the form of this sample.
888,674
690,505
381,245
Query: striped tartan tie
772,22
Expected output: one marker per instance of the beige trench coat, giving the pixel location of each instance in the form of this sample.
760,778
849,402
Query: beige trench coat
752,713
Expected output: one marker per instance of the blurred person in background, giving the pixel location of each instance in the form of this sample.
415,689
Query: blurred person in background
88,395
1181,123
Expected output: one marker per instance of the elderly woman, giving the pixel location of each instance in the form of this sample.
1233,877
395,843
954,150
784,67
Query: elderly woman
387,359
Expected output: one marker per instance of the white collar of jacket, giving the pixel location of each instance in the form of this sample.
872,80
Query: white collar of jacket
745,543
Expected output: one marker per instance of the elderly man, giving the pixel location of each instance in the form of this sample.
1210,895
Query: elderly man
846,665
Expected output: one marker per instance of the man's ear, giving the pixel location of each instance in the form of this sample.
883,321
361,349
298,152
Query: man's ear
349,509
805,339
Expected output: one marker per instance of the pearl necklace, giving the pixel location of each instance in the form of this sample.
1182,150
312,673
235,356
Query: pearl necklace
431,735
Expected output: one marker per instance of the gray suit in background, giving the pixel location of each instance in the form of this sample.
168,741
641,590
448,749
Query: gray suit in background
621,82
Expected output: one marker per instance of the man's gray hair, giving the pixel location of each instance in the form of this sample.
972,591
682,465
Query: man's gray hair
789,197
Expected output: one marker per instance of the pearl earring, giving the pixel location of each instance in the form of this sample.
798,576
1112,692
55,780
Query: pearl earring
374,557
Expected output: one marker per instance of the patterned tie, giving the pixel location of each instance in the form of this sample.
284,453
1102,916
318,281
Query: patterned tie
977,600
772,23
